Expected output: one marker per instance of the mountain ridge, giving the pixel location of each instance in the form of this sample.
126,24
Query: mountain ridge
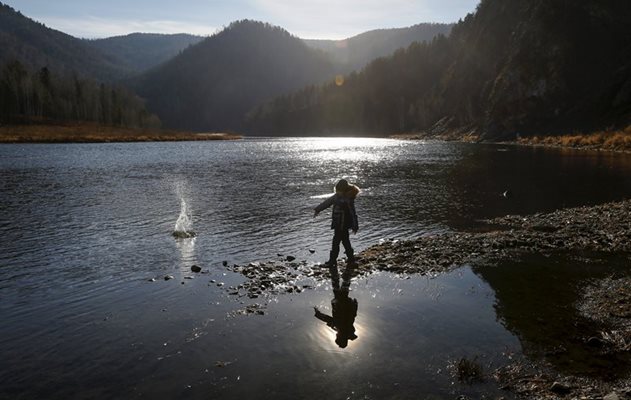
36,45
212,84
356,52
511,68
141,51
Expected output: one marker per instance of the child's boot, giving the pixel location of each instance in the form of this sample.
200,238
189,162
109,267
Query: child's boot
332,261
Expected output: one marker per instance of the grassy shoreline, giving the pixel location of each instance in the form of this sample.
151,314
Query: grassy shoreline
614,141
618,141
93,133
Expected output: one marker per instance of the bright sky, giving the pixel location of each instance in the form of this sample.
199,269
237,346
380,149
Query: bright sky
316,19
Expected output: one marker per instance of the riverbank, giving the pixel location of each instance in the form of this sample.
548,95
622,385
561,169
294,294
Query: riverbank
578,233
93,133
617,141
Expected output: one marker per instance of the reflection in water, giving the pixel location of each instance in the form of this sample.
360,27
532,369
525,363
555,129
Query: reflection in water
186,247
344,309
537,299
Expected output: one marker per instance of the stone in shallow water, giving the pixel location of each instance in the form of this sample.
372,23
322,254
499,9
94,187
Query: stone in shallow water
196,268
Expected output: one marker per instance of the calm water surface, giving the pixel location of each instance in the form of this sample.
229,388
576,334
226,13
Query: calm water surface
84,226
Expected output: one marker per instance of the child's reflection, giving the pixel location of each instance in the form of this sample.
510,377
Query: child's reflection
344,308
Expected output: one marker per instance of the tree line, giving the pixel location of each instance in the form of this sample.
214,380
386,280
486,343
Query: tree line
41,96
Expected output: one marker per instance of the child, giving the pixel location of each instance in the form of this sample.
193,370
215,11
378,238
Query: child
343,218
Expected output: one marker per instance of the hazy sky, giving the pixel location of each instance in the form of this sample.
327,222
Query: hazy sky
321,19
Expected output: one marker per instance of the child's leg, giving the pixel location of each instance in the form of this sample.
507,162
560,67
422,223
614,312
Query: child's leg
346,241
335,248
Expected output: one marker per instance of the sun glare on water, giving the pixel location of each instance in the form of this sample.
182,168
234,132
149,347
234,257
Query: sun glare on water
347,149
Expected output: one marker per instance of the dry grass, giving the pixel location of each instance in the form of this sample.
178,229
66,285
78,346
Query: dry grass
469,137
93,133
604,140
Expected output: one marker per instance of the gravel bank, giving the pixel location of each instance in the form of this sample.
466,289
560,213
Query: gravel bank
603,228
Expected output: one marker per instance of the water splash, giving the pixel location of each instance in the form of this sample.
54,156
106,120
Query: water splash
184,224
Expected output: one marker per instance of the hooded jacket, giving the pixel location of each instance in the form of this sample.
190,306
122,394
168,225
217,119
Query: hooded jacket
344,215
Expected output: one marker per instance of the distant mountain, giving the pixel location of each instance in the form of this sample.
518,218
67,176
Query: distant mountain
513,67
355,52
37,46
141,51
211,85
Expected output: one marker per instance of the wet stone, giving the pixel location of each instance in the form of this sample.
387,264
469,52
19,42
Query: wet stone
195,268
560,388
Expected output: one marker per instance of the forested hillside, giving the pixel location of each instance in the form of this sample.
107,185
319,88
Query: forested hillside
41,96
354,53
141,51
512,67
37,46
212,85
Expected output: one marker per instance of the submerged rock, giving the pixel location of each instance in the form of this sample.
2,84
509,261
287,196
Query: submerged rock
196,268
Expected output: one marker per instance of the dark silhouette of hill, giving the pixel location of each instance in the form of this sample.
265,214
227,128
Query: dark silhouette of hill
211,85
37,46
141,51
512,67
355,52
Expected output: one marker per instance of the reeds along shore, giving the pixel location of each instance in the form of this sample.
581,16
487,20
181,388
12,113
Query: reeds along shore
93,133
619,140
605,140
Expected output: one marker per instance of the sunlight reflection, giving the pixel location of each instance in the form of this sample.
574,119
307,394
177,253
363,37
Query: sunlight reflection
326,337
348,149
187,249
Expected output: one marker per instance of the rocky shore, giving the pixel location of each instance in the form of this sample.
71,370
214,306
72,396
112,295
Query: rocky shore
577,231
603,228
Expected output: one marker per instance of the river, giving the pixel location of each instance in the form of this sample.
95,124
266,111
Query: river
85,228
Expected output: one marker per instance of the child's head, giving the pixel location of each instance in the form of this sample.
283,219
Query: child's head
342,186
346,189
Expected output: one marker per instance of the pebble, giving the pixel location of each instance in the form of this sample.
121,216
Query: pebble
560,388
195,268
